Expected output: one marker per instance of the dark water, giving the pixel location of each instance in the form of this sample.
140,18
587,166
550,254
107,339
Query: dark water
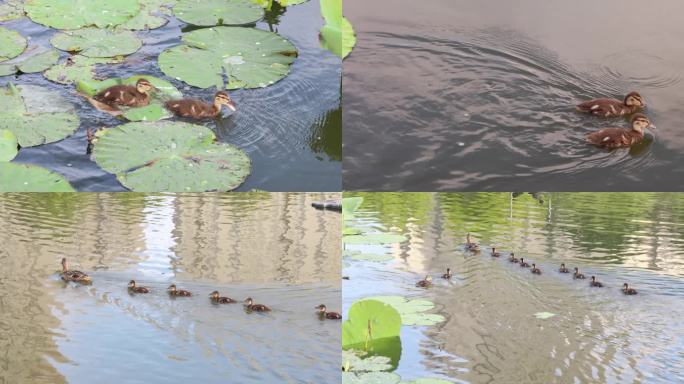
464,95
273,248
291,130
491,334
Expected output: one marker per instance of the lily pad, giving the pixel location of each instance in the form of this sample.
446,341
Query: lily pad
96,42
76,14
427,380
218,12
374,239
36,115
170,157
77,68
11,9
31,178
369,321
357,361
149,16
412,311
544,315
350,205
12,44
8,145
287,3
32,61
370,378
346,231
337,35
248,57
372,257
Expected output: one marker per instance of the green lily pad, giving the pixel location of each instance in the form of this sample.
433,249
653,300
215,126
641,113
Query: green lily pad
96,42
369,321
427,380
287,3
11,9
346,231
149,15
412,311
370,378
248,57
8,145
79,68
12,44
31,178
32,61
36,115
372,257
76,14
218,12
353,362
374,239
337,35
350,205
544,315
170,157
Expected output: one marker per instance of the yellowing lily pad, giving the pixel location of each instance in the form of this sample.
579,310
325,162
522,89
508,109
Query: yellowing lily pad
76,14
12,44
31,178
218,12
96,42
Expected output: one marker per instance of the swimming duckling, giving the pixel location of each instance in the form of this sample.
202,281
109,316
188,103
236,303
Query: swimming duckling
127,95
74,275
216,299
178,292
535,270
562,269
133,288
627,290
425,283
632,103
447,275
595,283
495,253
513,259
250,306
611,138
577,274
523,264
470,246
197,109
322,313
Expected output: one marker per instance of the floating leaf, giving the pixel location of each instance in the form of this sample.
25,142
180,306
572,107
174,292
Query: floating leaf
337,35
427,380
36,115
218,12
370,378
412,311
346,231
148,17
12,44
544,315
8,145
31,178
287,3
96,42
372,257
374,239
170,157
11,9
350,205
78,68
250,58
355,363
75,14
32,61
369,321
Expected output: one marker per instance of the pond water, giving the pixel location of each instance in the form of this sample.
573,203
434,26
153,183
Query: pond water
444,95
491,333
273,248
291,130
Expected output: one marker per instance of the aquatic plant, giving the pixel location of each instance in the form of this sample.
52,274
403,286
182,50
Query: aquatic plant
337,35
76,69
369,322
218,12
412,311
12,44
31,61
149,16
75,14
96,42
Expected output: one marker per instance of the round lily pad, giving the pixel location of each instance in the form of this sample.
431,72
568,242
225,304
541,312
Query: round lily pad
247,57
8,145
75,14
76,68
12,44
370,378
372,257
218,12
374,239
96,42
149,15
31,178
11,9
170,157
32,61
412,311
369,321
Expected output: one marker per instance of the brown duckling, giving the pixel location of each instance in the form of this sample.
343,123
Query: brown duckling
323,313
513,259
627,290
562,269
447,275
198,109
216,299
74,275
611,138
135,289
127,95
595,283
495,253
632,103
250,306
470,246
523,264
425,283
535,270
577,274
173,291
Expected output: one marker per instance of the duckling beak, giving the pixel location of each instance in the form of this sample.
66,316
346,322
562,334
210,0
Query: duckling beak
231,105
653,127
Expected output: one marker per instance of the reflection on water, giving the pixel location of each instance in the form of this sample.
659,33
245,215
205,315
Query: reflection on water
480,95
491,334
275,248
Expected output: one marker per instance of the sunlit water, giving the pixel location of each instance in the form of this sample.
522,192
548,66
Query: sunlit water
463,95
273,248
491,334
291,130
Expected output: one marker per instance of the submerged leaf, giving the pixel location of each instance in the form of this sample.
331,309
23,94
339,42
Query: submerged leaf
218,12
31,178
75,14
95,42
12,44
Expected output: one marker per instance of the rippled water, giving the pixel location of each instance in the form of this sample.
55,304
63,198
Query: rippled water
289,129
274,248
462,95
491,334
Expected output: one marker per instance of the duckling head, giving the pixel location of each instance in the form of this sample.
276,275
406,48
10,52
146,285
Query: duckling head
248,301
625,286
428,278
222,98
65,266
214,295
172,288
448,271
641,122
576,270
321,308
593,278
634,99
131,284
534,266
144,86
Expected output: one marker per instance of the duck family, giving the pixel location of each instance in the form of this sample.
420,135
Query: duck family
72,275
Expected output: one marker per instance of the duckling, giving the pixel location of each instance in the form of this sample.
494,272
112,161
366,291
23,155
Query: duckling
513,259
425,283
495,253
127,95
178,292
595,283
133,288
577,274
627,290
523,264
216,299
250,306
198,109
611,138
74,275
322,313
632,103
447,275
535,270
562,269
470,246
